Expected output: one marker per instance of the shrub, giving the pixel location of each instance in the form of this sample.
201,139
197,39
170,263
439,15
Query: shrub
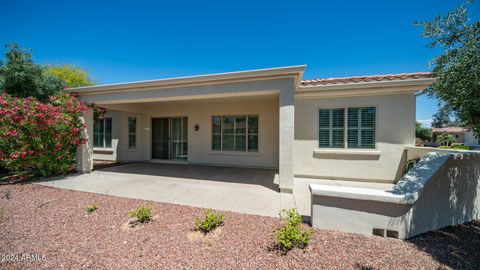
209,222
143,214
1,215
445,139
460,146
92,208
40,139
291,235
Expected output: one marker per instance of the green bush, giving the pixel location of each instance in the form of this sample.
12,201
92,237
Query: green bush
143,214
210,221
291,235
91,208
460,147
455,146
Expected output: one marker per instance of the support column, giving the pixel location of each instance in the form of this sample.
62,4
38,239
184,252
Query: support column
85,151
286,139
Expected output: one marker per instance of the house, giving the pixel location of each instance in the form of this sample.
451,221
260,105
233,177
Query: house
353,128
321,131
461,135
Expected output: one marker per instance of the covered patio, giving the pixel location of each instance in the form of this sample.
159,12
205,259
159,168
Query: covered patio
244,190
243,119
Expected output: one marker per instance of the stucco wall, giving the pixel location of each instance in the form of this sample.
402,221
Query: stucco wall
199,142
119,150
394,129
442,189
200,112
471,139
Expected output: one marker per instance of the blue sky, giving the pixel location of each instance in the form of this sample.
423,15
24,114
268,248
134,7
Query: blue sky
118,41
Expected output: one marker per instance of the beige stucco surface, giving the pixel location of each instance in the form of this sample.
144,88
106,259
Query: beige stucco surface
199,113
442,189
394,130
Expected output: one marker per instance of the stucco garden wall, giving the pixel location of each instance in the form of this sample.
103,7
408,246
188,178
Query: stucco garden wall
395,128
442,189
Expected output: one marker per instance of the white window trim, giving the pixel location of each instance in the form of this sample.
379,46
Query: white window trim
345,148
128,133
104,147
233,152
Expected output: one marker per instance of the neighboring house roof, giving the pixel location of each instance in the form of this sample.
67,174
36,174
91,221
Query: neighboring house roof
363,79
449,130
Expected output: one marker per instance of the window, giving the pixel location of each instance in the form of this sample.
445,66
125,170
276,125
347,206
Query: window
235,133
332,128
132,132
359,124
102,133
361,127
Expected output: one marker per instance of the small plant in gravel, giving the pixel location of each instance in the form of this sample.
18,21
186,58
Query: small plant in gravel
291,235
142,214
1,215
209,221
6,195
91,208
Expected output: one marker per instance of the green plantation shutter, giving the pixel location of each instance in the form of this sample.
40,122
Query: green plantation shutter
361,127
331,128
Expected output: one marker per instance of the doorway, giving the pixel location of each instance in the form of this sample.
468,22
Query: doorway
169,138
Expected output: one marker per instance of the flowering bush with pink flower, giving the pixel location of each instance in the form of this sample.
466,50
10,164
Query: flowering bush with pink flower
40,139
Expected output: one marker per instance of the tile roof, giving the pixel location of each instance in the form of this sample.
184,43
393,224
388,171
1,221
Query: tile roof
360,79
449,129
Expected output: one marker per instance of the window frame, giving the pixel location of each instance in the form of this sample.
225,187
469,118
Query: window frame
345,130
222,133
130,133
104,143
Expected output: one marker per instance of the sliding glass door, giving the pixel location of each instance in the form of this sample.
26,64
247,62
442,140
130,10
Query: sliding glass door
169,138
178,149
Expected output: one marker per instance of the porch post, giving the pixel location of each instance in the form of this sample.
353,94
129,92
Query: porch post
286,138
85,151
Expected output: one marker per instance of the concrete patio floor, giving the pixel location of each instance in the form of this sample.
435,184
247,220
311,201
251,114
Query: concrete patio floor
244,190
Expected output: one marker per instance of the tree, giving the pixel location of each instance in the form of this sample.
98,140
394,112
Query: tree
423,133
457,69
72,76
445,139
442,118
21,77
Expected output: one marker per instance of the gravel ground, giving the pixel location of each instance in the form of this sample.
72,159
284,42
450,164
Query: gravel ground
53,223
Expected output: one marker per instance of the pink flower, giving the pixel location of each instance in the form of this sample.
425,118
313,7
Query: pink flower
13,133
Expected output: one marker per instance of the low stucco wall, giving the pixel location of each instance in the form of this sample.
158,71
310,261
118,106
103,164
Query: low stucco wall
395,129
442,189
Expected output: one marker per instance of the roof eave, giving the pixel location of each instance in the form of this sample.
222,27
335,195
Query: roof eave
290,71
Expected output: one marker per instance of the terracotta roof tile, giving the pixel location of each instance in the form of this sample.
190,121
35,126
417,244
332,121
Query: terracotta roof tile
449,129
358,79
